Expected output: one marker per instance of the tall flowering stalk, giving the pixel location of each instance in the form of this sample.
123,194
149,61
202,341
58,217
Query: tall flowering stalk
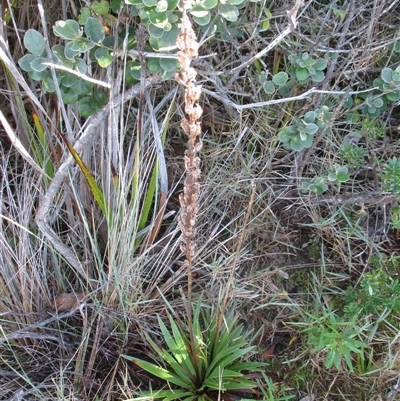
188,49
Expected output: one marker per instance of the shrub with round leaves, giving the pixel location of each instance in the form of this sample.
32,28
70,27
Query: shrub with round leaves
300,135
73,86
305,68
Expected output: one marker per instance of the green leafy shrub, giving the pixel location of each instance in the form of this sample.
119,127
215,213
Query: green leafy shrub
71,79
316,185
278,80
305,68
352,155
300,135
202,368
339,174
387,90
379,292
335,336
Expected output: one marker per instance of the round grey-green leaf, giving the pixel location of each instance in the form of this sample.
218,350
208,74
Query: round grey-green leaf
100,7
202,21
84,15
158,19
82,45
132,72
48,82
168,64
229,12
98,100
280,78
162,6
198,11
209,4
302,73
34,42
81,65
68,96
269,87
82,87
235,2
154,65
25,62
37,64
172,4
94,30
69,53
309,117
319,76
320,64
59,52
68,79
169,37
84,107
37,76
311,129
149,3
103,57
68,29
155,31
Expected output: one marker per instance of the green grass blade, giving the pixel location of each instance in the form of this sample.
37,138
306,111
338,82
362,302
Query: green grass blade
158,371
95,189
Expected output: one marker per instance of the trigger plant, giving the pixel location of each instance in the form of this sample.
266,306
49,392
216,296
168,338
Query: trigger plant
204,358
188,49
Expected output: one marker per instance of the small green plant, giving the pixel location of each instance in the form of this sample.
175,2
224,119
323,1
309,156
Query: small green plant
305,68
395,222
336,336
371,128
73,83
391,175
316,185
203,369
278,80
339,174
387,90
162,17
352,155
300,135
378,293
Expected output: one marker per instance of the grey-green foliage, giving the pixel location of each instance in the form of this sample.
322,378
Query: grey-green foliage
386,89
305,68
162,17
317,185
73,86
300,134
391,175
278,80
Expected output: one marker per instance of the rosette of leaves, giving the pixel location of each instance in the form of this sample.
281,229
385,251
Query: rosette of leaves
299,135
203,369
339,174
316,185
73,86
305,68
